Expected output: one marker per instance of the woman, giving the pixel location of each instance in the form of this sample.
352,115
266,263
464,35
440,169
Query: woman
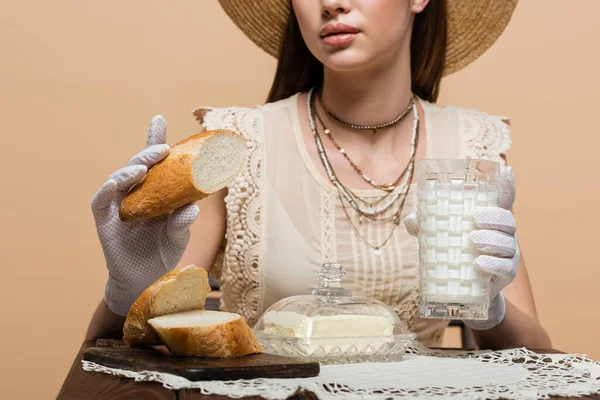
353,98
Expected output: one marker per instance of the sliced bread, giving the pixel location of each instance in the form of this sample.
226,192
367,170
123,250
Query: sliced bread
211,334
180,290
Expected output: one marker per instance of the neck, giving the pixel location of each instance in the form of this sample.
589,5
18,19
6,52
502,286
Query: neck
369,97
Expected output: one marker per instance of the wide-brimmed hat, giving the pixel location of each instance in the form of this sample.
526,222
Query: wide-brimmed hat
473,25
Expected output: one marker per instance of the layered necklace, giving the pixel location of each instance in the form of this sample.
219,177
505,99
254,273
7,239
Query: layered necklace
394,193
374,128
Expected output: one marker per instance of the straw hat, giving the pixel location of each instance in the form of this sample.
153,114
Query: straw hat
473,25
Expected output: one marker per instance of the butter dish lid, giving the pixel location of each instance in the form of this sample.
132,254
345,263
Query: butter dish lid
330,311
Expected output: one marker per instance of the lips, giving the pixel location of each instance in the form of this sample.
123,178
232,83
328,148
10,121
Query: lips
339,39
338,29
339,34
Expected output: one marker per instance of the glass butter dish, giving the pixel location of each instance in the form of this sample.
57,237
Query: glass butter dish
332,326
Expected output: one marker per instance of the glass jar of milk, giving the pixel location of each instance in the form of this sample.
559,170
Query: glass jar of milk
452,285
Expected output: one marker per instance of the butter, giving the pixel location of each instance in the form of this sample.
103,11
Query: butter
291,324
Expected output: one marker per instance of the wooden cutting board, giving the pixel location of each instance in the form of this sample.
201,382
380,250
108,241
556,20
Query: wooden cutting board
201,369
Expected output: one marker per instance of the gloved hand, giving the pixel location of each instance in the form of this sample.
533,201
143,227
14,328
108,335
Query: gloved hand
138,253
496,238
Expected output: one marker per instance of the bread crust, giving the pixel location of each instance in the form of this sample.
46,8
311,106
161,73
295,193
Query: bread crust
136,330
230,339
169,184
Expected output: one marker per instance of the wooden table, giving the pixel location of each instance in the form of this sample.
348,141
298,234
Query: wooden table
80,384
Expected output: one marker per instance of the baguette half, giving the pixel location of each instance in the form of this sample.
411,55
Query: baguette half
195,168
210,334
182,289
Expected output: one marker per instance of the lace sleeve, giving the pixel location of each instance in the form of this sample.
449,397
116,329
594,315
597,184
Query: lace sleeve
485,136
241,279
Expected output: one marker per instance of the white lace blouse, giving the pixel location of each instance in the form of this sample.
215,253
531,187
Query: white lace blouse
284,219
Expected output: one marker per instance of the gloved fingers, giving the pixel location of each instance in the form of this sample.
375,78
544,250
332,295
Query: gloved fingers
104,196
494,243
499,282
157,132
128,176
496,219
179,222
150,155
507,189
411,221
505,268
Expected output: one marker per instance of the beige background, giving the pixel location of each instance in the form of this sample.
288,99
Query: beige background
80,81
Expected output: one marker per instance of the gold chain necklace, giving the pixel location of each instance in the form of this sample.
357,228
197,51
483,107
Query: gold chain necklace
388,187
359,171
373,128
396,220
353,199
369,211
342,192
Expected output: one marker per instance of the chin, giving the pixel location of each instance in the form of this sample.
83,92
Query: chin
347,60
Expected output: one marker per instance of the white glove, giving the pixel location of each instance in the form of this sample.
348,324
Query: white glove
496,237
138,253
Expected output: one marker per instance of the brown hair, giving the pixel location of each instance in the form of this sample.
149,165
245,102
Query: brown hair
299,71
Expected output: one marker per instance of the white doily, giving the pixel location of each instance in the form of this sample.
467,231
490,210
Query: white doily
507,374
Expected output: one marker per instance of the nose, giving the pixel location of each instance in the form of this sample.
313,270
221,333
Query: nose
332,8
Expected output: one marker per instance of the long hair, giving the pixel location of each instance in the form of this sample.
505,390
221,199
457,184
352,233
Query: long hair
298,70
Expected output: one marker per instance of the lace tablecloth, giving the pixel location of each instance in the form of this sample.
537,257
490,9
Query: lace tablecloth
507,374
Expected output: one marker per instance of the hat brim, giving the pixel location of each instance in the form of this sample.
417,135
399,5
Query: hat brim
473,25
